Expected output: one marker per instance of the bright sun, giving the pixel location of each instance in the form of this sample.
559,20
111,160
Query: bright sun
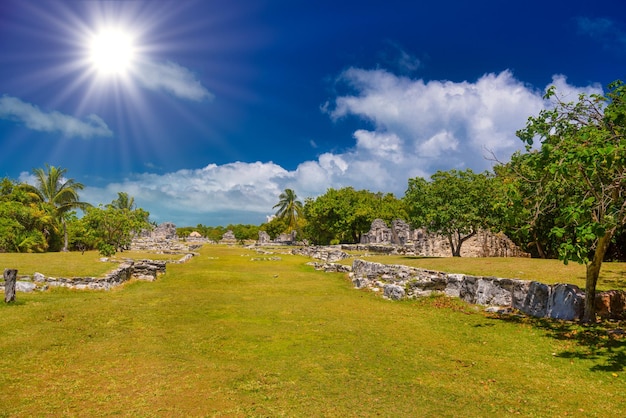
112,52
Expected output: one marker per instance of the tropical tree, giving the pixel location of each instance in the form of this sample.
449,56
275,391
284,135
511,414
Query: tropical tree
526,204
343,215
26,225
123,201
53,188
453,203
111,229
289,208
583,155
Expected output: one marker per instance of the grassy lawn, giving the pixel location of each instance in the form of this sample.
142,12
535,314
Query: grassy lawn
71,264
232,334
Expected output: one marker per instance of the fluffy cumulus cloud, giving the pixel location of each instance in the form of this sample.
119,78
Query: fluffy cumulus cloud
414,127
32,117
188,197
172,79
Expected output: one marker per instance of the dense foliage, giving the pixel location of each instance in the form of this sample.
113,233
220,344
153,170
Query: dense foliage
42,217
343,215
581,163
456,204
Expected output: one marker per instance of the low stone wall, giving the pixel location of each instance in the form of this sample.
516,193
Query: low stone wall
559,301
141,270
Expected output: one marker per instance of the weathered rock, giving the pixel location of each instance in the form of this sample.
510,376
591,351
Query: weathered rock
519,292
328,254
379,233
264,238
228,238
611,304
467,292
393,291
453,285
400,232
491,291
164,231
22,286
536,300
10,276
566,302
360,282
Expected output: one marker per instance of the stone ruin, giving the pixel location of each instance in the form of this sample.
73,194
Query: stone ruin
422,243
282,239
228,238
163,238
165,231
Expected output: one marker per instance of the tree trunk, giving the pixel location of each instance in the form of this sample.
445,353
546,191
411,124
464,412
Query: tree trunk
456,250
65,237
593,271
540,251
10,276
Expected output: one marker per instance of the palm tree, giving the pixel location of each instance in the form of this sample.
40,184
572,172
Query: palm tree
123,201
289,208
54,189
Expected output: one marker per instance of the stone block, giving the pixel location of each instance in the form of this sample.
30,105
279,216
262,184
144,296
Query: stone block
468,289
493,291
519,292
537,299
566,302
453,285
393,291
611,304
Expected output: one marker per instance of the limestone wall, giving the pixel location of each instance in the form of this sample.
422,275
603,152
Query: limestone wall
558,301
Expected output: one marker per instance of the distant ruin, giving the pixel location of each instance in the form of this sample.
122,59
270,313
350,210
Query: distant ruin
426,244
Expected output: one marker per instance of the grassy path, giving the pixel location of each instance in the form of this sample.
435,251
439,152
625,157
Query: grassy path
233,334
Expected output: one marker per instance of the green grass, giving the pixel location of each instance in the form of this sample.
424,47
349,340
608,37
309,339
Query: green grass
71,264
227,336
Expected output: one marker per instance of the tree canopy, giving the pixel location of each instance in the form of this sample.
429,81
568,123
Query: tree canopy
453,203
289,209
343,215
582,159
53,188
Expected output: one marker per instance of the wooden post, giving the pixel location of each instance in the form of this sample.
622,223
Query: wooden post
10,275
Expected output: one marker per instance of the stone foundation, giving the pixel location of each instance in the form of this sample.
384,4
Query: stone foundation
558,301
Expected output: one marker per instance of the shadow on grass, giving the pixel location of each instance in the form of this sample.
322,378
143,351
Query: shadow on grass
603,343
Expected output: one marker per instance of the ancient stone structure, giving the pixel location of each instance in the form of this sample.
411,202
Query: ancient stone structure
282,239
286,239
163,239
422,243
165,231
559,301
379,233
228,238
327,254
264,238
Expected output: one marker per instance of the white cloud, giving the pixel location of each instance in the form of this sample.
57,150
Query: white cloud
569,93
32,117
418,127
173,79
193,195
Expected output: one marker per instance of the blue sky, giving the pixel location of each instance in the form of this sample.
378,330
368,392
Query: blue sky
222,105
